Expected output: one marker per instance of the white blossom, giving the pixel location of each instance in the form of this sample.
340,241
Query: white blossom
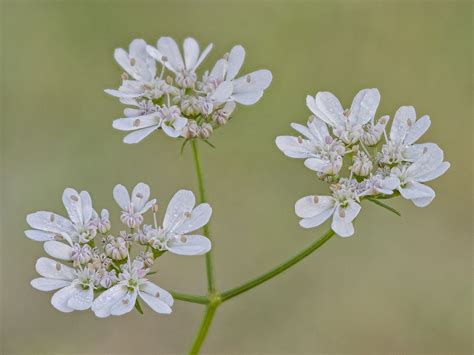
78,228
76,288
347,124
121,298
412,176
134,206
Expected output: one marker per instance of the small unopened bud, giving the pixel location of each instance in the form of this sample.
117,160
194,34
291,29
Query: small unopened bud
154,208
362,165
205,131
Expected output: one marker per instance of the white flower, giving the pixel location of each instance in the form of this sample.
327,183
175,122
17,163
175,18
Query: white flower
103,222
347,124
139,65
377,184
181,217
76,287
321,152
405,131
168,54
246,90
342,205
121,298
133,208
169,119
373,131
428,167
78,228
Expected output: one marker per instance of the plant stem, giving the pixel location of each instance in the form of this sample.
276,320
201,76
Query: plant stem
204,328
190,298
206,231
227,295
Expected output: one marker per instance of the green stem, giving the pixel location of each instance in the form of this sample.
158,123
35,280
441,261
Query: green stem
202,198
227,295
204,328
190,298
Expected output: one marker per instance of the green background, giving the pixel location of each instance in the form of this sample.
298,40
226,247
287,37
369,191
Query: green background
399,286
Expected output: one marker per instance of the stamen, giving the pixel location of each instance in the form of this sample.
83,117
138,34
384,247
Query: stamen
164,58
187,214
125,301
248,78
300,139
52,217
154,208
124,76
139,195
342,213
58,266
157,294
132,61
315,199
425,150
183,239
136,123
74,198
226,56
58,237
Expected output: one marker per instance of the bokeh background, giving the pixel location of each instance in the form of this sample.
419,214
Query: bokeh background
399,286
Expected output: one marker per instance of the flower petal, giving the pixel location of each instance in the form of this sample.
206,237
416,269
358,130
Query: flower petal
58,250
223,91
50,222
254,82
104,302
421,195
155,303
45,284
189,245
404,116
125,304
328,108
236,60
140,196
197,218
121,197
343,217
248,98
182,202
168,48
292,147
54,270
138,122
417,129
60,298
73,204
82,299
203,56
139,135
191,52
156,291
39,236
364,106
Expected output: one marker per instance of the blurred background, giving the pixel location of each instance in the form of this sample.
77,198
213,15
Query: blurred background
399,286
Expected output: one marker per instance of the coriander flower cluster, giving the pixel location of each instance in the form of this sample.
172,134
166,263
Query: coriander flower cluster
378,164
108,272
173,97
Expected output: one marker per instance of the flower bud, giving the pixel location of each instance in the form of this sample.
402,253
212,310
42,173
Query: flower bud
205,131
361,164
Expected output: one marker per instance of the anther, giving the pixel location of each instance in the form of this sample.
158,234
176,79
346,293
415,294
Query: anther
58,237
132,61
154,208
164,58
300,140
342,213
136,123
51,217
74,198
187,214
58,266
183,239
425,150
169,80
124,76
157,294
248,78
139,195
315,199
125,301
226,56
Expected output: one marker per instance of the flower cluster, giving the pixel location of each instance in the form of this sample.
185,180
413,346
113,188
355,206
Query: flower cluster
181,104
107,278
379,165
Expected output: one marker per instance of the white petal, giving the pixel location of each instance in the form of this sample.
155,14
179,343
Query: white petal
199,217
39,236
437,172
122,94
58,250
235,60
364,106
61,298
171,131
139,135
223,91
50,222
122,58
138,122
219,70
304,130
430,159
316,164
292,148
203,56
45,284
156,291
328,109
191,52
140,196
54,270
87,210
317,220
125,304
73,204
183,201
318,129
121,197
189,245
310,206
421,195
417,130
155,303
104,302
168,47
343,217
414,152
82,299
254,82
400,124
248,98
